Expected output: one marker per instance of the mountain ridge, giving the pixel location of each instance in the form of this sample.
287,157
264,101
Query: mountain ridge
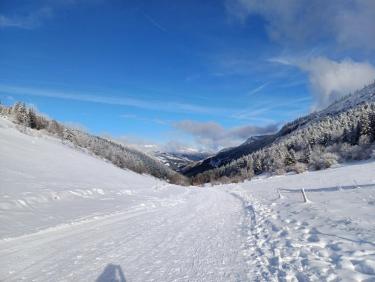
356,100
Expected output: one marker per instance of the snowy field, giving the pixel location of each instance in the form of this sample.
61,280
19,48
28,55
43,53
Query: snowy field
329,238
68,216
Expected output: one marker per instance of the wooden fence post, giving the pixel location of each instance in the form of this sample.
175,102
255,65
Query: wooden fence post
305,199
280,196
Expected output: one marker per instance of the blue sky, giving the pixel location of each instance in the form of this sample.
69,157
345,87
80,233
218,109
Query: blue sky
204,74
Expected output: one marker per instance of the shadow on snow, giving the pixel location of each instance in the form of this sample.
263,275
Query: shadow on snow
112,273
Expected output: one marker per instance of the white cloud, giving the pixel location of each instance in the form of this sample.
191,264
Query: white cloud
348,23
212,136
355,26
149,146
175,146
137,143
330,80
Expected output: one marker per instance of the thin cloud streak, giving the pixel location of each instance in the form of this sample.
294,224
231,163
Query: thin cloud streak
258,89
174,107
257,111
154,22
147,120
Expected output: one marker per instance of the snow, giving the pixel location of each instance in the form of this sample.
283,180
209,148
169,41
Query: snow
330,237
69,216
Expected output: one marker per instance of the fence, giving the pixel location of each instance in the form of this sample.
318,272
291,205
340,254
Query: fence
304,191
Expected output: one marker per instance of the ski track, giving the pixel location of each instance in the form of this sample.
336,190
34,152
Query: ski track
194,240
203,235
280,248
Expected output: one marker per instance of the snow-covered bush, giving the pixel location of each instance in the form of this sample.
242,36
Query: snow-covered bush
354,152
298,167
321,160
364,140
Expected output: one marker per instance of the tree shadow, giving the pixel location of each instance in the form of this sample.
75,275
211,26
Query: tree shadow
112,273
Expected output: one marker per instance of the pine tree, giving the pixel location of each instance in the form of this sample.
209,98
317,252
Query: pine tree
290,158
21,114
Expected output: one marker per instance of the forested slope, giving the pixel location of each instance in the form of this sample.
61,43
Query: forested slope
342,132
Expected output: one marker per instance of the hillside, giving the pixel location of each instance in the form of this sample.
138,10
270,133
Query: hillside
69,216
342,132
29,120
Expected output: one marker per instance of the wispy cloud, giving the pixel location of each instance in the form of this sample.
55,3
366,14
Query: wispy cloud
152,21
346,24
265,108
281,60
242,65
40,12
213,136
257,89
147,120
147,104
138,143
30,21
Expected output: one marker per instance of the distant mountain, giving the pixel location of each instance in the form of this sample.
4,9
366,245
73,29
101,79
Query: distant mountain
179,160
227,155
343,131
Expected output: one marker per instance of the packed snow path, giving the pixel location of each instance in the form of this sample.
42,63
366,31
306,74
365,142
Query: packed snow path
195,239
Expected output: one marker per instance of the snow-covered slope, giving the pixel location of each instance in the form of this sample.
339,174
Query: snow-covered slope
68,216
39,175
